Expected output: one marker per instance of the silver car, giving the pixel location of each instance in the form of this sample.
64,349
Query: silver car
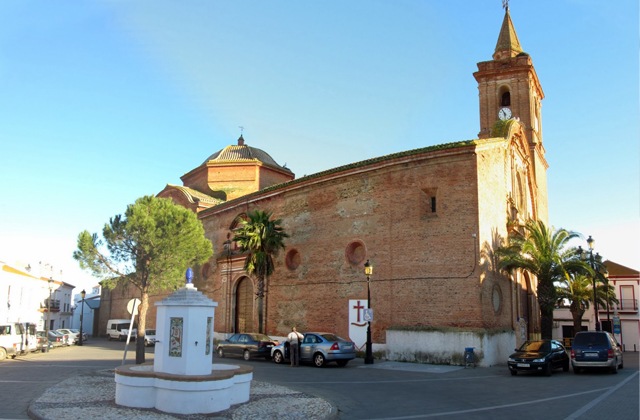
319,348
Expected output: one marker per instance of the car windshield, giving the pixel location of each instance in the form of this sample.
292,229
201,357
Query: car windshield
535,346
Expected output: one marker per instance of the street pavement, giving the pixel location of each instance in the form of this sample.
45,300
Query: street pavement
384,390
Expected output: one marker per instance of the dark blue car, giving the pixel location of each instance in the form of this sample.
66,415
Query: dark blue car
543,356
596,349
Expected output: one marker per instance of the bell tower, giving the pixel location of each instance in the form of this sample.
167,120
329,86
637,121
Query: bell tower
509,87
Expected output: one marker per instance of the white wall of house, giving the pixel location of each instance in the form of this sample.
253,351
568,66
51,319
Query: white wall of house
24,296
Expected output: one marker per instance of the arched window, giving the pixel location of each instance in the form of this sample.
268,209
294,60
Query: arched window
505,99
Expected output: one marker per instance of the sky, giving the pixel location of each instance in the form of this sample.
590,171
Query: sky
102,102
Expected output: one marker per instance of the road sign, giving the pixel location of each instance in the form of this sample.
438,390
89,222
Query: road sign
132,306
368,315
616,324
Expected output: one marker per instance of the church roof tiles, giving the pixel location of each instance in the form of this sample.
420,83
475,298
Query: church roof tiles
508,44
243,153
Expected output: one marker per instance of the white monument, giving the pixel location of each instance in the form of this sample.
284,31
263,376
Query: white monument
182,378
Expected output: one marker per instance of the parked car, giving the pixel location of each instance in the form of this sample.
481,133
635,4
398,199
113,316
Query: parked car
596,349
541,356
74,337
247,345
149,338
319,348
85,337
42,340
55,339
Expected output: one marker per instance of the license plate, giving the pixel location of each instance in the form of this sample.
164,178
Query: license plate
523,365
591,355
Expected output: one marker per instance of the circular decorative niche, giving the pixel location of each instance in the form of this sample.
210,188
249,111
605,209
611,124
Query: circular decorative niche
292,259
355,252
496,298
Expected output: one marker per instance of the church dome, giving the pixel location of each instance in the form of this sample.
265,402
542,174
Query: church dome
243,153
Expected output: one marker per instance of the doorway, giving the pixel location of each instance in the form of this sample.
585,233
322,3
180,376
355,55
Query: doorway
244,306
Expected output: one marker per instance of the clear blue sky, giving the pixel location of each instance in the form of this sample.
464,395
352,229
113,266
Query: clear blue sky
102,102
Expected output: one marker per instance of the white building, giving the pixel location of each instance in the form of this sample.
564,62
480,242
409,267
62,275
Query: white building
626,283
34,298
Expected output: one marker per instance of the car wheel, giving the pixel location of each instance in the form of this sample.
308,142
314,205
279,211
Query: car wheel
576,370
246,355
621,365
614,368
277,357
318,360
342,363
3,353
565,367
548,369
220,352
513,372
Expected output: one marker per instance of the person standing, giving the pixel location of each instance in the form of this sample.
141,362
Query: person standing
294,338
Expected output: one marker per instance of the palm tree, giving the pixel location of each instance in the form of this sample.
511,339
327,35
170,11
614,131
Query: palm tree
262,238
544,254
578,290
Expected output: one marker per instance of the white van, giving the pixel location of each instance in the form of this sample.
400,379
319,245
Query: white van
10,341
118,329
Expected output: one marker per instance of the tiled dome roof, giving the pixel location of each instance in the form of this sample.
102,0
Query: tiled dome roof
243,153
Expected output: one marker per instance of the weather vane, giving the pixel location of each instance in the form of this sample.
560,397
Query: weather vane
505,4
241,129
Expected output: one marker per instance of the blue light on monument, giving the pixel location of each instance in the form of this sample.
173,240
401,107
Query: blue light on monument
189,275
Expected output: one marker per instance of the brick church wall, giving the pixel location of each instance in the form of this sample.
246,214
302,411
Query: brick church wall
427,268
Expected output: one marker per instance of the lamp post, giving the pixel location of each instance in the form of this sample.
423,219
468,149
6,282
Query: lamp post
368,271
46,327
592,262
606,283
82,295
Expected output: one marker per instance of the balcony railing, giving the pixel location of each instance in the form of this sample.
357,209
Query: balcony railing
55,305
628,305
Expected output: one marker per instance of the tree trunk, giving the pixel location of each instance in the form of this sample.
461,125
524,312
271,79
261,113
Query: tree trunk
546,324
142,326
260,295
576,313
260,316
547,301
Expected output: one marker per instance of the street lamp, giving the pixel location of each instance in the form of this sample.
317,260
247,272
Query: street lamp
368,271
592,262
82,295
606,282
46,327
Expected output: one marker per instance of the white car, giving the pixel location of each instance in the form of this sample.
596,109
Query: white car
74,337
77,331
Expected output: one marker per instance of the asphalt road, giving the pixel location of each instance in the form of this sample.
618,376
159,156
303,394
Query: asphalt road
380,391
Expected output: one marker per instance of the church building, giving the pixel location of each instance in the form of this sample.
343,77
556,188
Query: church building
427,220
